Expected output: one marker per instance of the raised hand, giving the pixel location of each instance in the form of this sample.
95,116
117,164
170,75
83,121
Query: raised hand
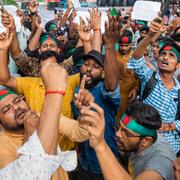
73,15
95,18
70,4
112,31
33,6
8,21
83,98
5,39
84,31
54,76
156,26
94,123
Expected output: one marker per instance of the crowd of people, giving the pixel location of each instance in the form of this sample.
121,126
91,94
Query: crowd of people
79,104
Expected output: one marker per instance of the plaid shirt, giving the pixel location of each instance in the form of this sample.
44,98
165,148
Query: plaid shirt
31,67
163,100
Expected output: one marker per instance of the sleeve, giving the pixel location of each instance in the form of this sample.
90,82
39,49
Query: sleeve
68,65
34,163
165,168
27,65
111,97
140,68
22,84
72,129
177,123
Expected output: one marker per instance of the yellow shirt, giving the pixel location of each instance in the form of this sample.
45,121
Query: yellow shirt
128,81
33,90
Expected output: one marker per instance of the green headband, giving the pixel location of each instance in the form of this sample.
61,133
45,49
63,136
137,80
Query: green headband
52,26
5,92
71,51
172,49
132,125
46,37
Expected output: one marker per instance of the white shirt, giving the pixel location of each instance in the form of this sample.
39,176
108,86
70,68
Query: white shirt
34,164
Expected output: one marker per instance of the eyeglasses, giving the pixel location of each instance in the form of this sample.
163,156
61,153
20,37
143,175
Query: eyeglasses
126,132
16,100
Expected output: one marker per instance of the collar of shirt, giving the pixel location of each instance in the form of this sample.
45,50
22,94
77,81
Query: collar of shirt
176,82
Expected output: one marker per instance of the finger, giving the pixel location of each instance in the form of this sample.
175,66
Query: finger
88,99
89,112
81,95
7,33
90,129
98,109
83,82
87,119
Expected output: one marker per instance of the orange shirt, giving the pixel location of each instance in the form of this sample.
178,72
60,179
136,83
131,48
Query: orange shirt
128,81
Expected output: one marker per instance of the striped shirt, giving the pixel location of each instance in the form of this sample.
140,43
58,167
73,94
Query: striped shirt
163,100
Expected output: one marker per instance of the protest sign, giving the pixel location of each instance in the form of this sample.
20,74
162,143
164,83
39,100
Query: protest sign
145,10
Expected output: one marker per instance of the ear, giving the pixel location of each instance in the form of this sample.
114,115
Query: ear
178,66
39,50
146,141
58,50
103,74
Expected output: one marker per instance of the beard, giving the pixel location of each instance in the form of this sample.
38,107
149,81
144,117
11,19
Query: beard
47,54
94,80
124,52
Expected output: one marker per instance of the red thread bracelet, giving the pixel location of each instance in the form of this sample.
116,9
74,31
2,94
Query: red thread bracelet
55,92
98,29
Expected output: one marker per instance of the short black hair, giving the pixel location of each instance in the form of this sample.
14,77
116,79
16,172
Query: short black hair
176,37
172,43
48,25
145,115
177,28
144,28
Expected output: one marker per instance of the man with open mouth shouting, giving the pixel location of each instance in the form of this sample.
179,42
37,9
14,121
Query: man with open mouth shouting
161,89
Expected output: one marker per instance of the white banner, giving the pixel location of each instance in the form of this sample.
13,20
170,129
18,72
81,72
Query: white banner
146,10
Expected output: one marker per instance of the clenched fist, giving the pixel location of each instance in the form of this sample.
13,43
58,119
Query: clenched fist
54,76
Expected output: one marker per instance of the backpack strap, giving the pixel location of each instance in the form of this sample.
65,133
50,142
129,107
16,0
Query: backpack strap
178,106
150,85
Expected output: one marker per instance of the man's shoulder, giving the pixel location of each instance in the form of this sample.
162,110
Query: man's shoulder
29,79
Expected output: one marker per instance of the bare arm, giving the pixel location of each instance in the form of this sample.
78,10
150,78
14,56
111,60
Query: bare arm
95,19
71,24
8,22
5,77
155,29
34,42
33,7
54,78
110,64
66,14
84,32
109,165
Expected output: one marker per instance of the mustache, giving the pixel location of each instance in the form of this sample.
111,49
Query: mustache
164,62
47,54
20,113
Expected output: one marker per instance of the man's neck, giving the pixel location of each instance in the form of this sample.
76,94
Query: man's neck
167,79
15,132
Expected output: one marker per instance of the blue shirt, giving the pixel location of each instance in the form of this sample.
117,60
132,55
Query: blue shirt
109,101
163,100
